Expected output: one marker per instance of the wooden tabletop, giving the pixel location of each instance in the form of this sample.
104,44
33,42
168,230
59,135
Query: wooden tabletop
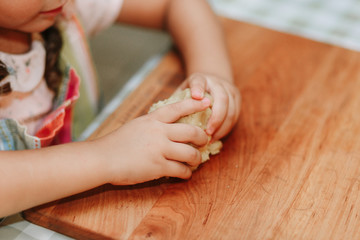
290,169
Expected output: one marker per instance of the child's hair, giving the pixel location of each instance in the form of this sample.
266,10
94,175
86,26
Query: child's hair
53,44
4,89
53,75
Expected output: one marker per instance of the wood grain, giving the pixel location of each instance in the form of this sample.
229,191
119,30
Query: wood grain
290,169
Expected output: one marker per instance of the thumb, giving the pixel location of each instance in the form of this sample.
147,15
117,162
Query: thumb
197,83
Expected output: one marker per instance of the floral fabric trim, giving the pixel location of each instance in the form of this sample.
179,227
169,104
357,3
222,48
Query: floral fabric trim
56,127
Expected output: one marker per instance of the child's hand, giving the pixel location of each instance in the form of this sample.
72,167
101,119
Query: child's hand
227,101
150,147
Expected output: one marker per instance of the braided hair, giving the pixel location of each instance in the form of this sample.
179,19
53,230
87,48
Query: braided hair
53,75
6,88
53,44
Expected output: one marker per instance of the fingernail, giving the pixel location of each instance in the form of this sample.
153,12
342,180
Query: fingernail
209,131
198,94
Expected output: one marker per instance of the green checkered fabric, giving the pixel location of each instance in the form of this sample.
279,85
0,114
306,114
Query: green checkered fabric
335,22
15,228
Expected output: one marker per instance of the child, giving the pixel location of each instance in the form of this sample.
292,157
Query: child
43,57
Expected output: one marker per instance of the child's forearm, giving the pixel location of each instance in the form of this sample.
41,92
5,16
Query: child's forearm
146,148
199,36
32,177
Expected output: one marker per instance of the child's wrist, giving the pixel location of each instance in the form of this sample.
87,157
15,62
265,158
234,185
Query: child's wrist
96,159
109,167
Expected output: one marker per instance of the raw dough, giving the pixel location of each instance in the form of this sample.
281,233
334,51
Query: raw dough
199,119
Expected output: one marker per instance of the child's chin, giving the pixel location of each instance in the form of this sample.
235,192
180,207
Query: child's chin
38,26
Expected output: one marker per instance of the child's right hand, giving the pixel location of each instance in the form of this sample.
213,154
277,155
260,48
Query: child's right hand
150,147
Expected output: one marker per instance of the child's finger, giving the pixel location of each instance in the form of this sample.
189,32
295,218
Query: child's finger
238,102
229,121
183,153
172,112
177,169
197,83
219,110
185,133
232,116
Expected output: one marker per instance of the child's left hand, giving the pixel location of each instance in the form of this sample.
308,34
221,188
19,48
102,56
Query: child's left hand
227,101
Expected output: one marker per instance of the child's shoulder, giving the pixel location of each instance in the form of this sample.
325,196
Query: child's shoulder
95,15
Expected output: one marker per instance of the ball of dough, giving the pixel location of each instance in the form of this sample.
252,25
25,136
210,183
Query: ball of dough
199,119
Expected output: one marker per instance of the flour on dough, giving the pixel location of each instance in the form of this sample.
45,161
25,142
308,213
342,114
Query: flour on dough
199,119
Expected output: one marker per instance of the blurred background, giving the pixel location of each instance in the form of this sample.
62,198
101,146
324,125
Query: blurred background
121,51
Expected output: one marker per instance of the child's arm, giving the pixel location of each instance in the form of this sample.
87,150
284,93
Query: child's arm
198,35
144,149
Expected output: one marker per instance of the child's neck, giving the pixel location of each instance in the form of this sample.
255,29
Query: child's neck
14,42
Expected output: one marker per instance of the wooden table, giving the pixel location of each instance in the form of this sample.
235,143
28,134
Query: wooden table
289,170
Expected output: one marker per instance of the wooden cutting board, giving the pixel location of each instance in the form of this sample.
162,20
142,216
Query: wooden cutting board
289,170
